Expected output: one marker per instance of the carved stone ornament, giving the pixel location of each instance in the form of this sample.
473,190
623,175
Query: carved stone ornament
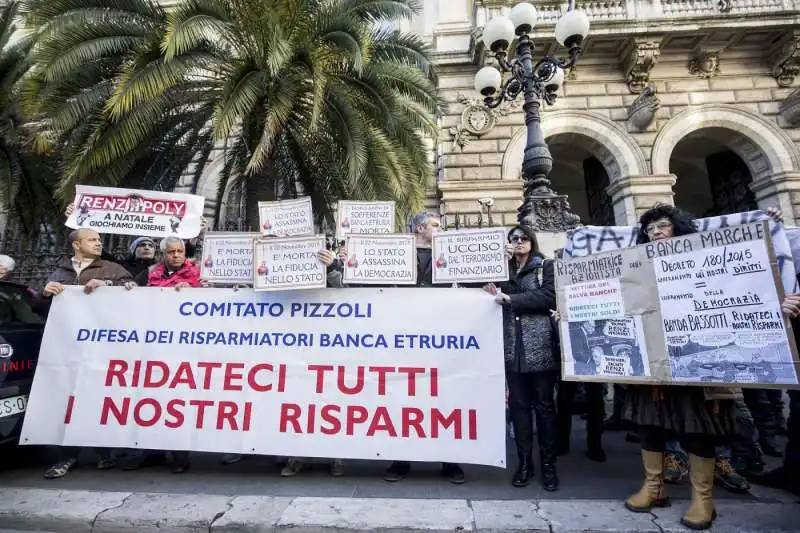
704,64
789,109
478,120
643,110
639,62
785,60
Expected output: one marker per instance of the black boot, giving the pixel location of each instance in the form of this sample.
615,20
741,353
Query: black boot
524,473
549,477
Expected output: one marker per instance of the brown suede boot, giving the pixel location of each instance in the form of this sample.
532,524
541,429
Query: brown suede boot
652,491
701,512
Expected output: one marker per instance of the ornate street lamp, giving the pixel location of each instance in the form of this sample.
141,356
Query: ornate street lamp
542,208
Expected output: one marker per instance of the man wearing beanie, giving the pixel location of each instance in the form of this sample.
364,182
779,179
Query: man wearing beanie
142,255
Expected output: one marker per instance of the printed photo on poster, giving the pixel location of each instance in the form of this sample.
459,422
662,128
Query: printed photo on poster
136,212
364,218
286,218
605,348
380,260
288,264
470,256
228,257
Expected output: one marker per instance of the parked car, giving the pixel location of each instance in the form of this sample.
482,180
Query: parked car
22,320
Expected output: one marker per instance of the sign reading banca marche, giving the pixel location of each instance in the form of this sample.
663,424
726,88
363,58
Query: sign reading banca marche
473,255
380,260
228,257
352,373
136,212
289,264
286,218
364,218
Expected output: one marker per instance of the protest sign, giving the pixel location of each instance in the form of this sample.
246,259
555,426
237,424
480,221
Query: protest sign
699,309
350,373
380,260
286,218
360,218
587,240
473,255
288,264
228,257
136,212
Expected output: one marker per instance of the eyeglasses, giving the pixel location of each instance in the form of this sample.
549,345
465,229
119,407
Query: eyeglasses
660,225
518,238
145,245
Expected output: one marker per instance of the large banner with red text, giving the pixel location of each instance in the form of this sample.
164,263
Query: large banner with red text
389,374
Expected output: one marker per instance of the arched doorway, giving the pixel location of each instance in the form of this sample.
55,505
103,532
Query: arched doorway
712,179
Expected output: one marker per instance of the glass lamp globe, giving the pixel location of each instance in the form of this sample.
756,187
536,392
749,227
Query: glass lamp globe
556,79
523,16
572,28
488,80
498,34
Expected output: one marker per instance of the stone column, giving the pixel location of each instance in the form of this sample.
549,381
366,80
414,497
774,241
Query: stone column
780,190
633,195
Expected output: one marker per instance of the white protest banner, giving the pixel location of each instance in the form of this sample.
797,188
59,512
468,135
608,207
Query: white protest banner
228,257
472,255
288,264
380,260
364,218
700,309
587,240
286,218
136,212
369,373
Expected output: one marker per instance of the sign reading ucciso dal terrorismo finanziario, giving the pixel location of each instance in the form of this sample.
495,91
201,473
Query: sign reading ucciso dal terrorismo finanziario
354,373
286,218
136,212
288,264
357,218
473,255
381,260
228,257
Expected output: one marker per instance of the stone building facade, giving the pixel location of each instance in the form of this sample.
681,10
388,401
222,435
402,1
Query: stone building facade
691,102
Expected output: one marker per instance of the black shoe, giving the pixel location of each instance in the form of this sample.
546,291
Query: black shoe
596,454
143,460
770,447
453,473
397,471
524,473
777,478
549,478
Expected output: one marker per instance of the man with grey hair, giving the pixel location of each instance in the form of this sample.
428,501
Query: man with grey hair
7,265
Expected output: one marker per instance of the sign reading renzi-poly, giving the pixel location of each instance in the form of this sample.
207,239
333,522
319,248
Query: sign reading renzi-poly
353,373
228,257
474,255
717,318
286,218
288,264
136,212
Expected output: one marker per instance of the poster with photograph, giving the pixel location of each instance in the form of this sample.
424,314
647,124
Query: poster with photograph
470,256
286,218
380,260
228,257
136,212
289,264
364,218
701,309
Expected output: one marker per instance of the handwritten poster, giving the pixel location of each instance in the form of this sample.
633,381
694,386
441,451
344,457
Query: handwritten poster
699,309
228,257
286,218
364,218
380,260
474,255
288,264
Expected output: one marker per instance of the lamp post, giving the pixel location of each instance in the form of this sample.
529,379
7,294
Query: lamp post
538,82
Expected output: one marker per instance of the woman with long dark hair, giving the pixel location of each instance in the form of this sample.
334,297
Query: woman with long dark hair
531,364
698,418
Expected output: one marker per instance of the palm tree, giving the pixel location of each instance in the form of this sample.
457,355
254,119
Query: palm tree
26,179
316,95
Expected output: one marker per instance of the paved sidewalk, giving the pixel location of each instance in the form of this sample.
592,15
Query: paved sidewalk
65,511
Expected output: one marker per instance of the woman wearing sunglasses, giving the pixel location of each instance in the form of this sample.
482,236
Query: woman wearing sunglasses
531,364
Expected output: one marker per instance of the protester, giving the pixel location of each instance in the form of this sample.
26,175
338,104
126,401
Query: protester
178,272
141,257
531,363
595,415
7,265
424,226
85,268
787,476
699,418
